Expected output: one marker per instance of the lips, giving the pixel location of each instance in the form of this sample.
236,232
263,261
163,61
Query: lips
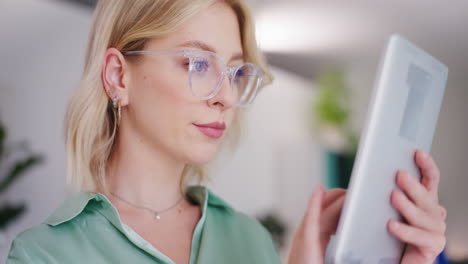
213,130
216,125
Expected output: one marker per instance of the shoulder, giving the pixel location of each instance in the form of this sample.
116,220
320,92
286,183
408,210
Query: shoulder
64,226
29,244
240,221
240,232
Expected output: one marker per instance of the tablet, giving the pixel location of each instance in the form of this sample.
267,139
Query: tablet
402,117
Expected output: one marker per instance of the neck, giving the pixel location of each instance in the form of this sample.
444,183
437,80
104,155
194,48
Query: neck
142,175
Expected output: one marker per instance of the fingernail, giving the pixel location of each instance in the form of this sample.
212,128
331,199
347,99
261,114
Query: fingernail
401,174
396,225
315,191
423,155
318,189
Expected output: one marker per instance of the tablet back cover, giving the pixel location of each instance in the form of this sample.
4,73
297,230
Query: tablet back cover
402,117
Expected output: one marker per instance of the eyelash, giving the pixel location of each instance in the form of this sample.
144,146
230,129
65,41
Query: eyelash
186,63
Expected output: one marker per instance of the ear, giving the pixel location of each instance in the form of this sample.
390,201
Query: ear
115,74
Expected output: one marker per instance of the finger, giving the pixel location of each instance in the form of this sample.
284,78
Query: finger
430,172
332,195
311,220
417,193
443,212
331,216
415,216
424,240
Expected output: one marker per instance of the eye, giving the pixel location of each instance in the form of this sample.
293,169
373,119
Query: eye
200,66
240,73
186,64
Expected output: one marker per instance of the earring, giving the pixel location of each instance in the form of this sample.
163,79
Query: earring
116,104
114,101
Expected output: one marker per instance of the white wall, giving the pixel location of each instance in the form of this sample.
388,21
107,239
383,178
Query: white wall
42,47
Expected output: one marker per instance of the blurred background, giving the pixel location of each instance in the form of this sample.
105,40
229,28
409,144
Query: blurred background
302,130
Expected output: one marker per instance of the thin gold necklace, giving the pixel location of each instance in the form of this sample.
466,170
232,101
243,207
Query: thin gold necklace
156,213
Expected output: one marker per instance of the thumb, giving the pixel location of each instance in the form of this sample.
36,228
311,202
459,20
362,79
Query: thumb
306,244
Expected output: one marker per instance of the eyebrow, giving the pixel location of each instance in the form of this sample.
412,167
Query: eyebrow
204,46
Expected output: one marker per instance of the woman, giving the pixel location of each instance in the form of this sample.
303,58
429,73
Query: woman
164,86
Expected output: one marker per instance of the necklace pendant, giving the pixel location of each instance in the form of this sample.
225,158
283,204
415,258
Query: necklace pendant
157,216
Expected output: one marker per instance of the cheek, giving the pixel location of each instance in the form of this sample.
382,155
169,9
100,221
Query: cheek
163,110
161,94
163,107
232,115
164,87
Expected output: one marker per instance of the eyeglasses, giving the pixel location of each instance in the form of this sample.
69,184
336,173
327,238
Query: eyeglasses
206,72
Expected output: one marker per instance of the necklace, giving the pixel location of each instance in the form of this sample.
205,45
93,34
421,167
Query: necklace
156,213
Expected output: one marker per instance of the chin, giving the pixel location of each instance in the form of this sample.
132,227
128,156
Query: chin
201,155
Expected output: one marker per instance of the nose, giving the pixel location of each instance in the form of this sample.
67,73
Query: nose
225,97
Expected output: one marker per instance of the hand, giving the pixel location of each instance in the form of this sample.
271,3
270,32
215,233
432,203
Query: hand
418,203
318,224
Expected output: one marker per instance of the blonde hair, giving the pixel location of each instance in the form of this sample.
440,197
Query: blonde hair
127,25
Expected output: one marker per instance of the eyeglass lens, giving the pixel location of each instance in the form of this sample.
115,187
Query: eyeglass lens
205,77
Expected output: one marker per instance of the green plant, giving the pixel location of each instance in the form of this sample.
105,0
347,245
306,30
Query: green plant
331,108
275,226
18,168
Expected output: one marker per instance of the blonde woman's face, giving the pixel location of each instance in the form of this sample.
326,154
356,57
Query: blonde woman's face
162,108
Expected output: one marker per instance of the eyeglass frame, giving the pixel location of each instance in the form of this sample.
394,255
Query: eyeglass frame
229,71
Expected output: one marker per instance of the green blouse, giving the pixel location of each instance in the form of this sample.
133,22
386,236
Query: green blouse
87,228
